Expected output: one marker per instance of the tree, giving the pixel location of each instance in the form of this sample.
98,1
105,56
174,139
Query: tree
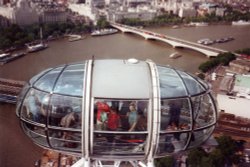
244,51
102,23
216,158
206,162
222,58
195,157
228,148
201,76
168,161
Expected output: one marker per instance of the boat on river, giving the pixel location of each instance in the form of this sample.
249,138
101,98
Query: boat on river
106,31
7,57
223,40
205,41
198,24
175,26
175,55
74,37
240,22
36,47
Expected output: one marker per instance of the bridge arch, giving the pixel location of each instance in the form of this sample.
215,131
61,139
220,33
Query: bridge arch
134,32
162,40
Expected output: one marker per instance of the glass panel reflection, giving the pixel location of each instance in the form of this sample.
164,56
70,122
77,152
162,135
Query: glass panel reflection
123,115
65,139
71,81
118,144
171,143
198,137
193,86
203,83
65,111
47,81
175,115
35,106
36,133
204,111
171,84
34,79
20,98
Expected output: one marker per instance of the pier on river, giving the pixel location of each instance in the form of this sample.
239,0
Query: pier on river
10,89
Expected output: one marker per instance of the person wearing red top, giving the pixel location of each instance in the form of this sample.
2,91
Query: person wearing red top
113,119
113,123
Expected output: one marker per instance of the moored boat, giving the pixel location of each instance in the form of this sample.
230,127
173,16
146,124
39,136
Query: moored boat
198,24
175,26
36,47
202,40
241,22
4,55
10,57
205,41
208,42
106,31
223,40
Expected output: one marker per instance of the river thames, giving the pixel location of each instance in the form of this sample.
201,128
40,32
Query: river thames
17,150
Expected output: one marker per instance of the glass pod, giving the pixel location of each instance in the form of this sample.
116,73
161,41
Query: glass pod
117,108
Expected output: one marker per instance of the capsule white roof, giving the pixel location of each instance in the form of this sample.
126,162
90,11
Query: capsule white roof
121,79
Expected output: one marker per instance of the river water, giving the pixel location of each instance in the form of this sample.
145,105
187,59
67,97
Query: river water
17,150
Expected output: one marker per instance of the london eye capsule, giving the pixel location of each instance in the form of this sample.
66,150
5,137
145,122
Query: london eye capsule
116,110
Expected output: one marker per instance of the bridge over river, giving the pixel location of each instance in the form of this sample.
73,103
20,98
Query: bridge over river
9,90
175,42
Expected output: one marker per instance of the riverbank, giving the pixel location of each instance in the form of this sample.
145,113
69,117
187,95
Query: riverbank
188,24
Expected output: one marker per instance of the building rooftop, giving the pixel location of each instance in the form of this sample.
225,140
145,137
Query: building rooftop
241,62
242,81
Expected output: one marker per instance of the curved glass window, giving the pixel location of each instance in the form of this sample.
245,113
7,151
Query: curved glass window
36,77
71,81
65,140
175,115
123,144
172,143
171,84
21,98
35,106
204,111
199,136
205,85
36,133
176,121
47,82
193,86
65,111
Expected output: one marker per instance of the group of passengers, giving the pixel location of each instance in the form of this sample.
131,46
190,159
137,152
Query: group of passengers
128,117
